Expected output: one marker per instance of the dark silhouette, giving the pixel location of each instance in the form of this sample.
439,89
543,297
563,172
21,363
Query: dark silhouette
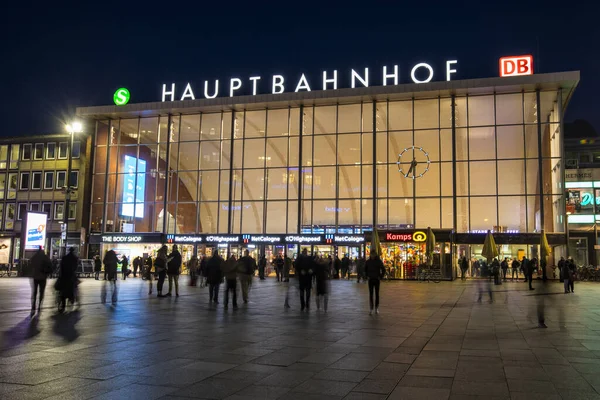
375,271
67,281
110,273
213,276
124,267
304,270
160,268
174,269
41,267
97,267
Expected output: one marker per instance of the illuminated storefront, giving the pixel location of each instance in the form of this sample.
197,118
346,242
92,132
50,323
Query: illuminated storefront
461,157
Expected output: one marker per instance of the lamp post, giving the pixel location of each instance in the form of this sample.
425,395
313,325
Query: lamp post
72,128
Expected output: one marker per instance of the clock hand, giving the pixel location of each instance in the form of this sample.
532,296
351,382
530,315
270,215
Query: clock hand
413,164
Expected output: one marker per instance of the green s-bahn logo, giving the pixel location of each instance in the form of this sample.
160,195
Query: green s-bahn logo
121,97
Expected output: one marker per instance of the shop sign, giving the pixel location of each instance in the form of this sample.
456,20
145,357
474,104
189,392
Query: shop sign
121,239
584,174
222,239
261,239
493,231
303,239
516,65
344,239
276,84
417,236
184,239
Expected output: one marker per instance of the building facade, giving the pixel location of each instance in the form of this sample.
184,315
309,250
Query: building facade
323,168
33,176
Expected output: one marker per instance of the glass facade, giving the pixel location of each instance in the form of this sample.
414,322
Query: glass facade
467,163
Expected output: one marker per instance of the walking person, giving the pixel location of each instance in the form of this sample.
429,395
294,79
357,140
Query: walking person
464,266
110,272
246,267
124,266
345,267
304,270
262,264
287,266
193,268
322,276
160,268
561,265
360,269
137,266
174,269
230,272
279,268
515,265
41,267
504,266
97,267
67,281
147,273
495,267
572,274
202,270
214,276
565,274
375,271
528,271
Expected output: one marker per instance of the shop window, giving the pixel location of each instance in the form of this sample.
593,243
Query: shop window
50,151
47,208
3,156
14,156
36,181
35,207
24,182
9,223
38,153
22,210
76,150
49,180
61,178
59,209
62,150
26,156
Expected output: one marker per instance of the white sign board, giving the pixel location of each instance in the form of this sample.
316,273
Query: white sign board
35,233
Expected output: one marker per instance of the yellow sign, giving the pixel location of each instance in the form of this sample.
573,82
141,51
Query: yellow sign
419,236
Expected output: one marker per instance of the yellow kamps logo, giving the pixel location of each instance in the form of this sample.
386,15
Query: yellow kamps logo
419,236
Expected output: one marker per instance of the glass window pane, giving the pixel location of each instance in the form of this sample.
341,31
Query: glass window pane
349,212
382,119
186,217
367,213
128,131
482,143
398,142
277,152
483,213
446,112
277,186
428,213
224,186
349,118
483,178
277,122
209,155
547,104
530,108
101,139
349,149
325,119
209,190
324,150
306,214
276,211
533,177
400,186
349,186
190,128
400,115
382,214
462,179
462,144
292,212
429,183
149,130
208,217
367,148
255,124
224,216
382,181
462,214
429,141
509,109
510,141
446,177
367,118
307,150
188,186
293,180
531,141
324,213
533,214
188,156
293,151
481,110
512,212
307,121
254,153
426,114
211,126
511,176
324,183
253,184
401,212
447,213
367,181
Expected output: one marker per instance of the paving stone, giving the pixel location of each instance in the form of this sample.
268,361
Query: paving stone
415,393
329,388
376,386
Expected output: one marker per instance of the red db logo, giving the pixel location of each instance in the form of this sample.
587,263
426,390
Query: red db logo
516,66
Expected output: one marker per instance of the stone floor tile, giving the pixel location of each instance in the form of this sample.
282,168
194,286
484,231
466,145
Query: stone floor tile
432,382
284,378
416,393
480,388
530,386
376,386
330,388
331,374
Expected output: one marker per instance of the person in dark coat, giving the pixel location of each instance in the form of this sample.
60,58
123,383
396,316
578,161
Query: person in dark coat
464,266
174,269
214,275
375,271
337,265
287,266
515,265
279,268
528,271
572,274
137,266
246,267
360,269
67,281
305,269
160,268
41,267
110,271
262,264
148,272
97,267
202,272
193,268
124,266
345,267
561,266
322,276
504,266
230,272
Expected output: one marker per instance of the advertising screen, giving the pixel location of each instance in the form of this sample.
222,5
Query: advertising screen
35,234
133,193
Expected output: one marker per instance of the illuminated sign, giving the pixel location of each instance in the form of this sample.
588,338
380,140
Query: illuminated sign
121,97
516,66
133,192
417,236
493,231
222,239
184,239
344,239
587,199
419,73
35,232
121,239
303,239
261,239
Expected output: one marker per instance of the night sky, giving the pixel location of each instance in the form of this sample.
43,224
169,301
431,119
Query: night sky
54,59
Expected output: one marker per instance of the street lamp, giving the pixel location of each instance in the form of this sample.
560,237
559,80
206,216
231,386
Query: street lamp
72,128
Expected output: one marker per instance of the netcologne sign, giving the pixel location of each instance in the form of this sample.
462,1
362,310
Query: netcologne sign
276,84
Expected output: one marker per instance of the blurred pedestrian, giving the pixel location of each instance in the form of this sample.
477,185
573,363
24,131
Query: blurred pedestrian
230,272
41,267
279,263
174,269
287,266
193,268
375,271
360,269
561,265
137,266
67,281
464,266
160,269
345,263
124,266
515,265
262,264
246,267
504,267
565,274
110,271
322,276
214,276
148,272
528,271
572,274
97,267
304,270
202,272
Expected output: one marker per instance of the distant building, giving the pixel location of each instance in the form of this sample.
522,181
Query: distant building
33,176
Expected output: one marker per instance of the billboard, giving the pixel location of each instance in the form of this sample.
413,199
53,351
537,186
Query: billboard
133,192
35,233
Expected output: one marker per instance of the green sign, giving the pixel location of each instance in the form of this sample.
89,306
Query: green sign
121,97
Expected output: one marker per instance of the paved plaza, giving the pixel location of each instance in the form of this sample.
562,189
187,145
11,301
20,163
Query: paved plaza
430,341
